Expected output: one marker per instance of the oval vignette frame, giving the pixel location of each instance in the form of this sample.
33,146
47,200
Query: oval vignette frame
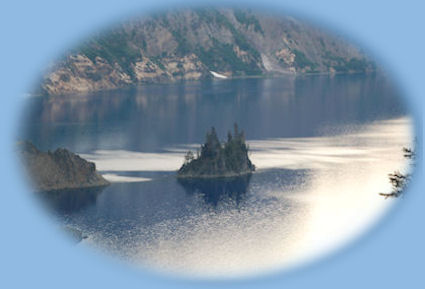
417,127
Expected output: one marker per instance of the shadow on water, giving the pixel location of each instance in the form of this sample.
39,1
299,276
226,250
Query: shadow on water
217,189
70,201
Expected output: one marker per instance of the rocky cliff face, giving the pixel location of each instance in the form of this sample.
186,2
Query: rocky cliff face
189,44
58,170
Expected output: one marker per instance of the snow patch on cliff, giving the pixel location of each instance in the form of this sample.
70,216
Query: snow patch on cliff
218,75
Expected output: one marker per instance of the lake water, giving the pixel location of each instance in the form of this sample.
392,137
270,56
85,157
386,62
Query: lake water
323,147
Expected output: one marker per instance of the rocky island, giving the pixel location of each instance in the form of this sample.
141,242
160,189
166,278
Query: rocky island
217,160
58,170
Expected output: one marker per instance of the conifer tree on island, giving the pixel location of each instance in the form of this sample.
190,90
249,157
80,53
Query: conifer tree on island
215,160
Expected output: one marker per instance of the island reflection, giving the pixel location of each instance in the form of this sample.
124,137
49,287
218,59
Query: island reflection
215,190
70,201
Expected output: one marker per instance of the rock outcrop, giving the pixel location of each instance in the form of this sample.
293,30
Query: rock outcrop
189,44
58,170
218,160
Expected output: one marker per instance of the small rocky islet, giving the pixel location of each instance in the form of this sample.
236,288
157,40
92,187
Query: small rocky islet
58,170
63,179
217,160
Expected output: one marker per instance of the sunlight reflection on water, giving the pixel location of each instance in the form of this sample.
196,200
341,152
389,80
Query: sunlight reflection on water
339,201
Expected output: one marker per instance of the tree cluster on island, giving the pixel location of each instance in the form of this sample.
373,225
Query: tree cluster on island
216,159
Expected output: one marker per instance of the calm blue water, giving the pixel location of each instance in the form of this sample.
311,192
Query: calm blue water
150,117
204,228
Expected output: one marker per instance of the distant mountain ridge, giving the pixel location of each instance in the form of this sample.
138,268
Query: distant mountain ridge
189,44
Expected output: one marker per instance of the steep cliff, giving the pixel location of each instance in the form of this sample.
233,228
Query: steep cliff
189,44
58,170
